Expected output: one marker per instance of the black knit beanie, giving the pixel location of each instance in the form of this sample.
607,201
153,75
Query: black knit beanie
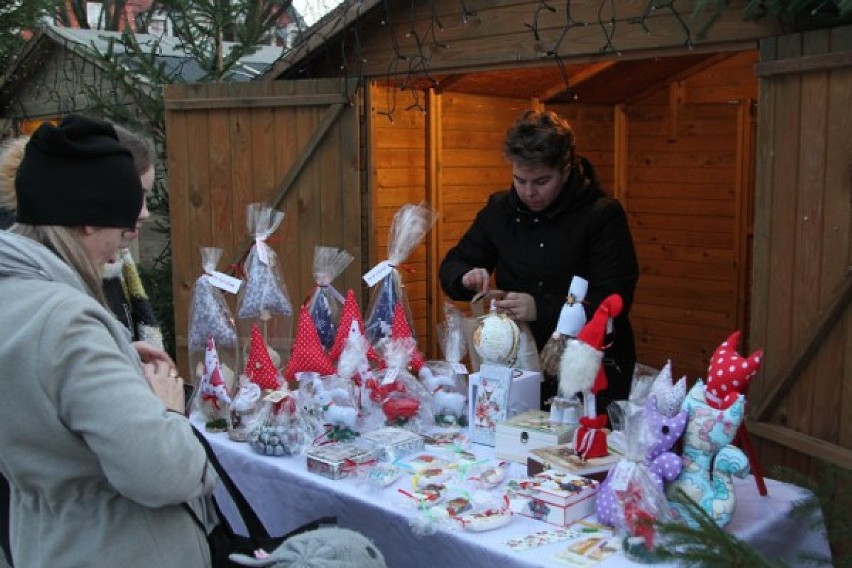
77,173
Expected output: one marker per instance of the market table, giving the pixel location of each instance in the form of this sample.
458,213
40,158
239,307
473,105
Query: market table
285,495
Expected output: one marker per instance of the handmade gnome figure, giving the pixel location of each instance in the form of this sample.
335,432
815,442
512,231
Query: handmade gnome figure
581,370
353,363
308,354
729,375
400,330
214,398
349,314
572,318
260,375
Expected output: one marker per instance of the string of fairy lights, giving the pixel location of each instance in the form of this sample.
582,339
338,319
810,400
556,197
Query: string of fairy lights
414,40
410,66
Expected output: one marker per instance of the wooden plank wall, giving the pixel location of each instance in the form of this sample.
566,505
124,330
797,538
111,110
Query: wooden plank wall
686,198
398,176
594,127
226,148
803,229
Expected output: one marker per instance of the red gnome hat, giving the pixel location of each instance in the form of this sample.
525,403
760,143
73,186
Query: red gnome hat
348,314
401,330
580,369
730,374
308,354
259,367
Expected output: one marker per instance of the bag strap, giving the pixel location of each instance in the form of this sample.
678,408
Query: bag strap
257,532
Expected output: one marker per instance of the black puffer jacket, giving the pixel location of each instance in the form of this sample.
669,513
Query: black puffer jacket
583,232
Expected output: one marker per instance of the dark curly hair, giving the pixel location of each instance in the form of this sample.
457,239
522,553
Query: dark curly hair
540,138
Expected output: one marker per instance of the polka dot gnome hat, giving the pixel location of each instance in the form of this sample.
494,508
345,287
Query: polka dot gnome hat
259,367
729,373
308,354
401,330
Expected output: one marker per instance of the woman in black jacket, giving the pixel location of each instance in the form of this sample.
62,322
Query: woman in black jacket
555,222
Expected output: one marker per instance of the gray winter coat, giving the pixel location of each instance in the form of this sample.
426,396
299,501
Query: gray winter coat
97,466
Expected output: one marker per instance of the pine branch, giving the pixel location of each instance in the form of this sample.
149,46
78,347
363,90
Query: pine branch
706,545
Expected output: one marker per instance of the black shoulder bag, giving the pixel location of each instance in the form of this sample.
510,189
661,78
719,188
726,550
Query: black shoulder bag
222,539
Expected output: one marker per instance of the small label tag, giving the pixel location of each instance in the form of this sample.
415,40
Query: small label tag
275,396
378,272
390,375
224,281
621,475
459,368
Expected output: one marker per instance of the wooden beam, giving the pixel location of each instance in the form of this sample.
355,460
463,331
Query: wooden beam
808,346
808,445
688,72
449,81
255,102
577,78
807,64
331,116
434,196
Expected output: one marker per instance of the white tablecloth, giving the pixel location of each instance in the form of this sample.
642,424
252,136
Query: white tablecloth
285,496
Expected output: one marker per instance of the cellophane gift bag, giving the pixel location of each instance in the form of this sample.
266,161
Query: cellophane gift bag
629,499
408,229
447,379
210,317
325,302
264,300
279,427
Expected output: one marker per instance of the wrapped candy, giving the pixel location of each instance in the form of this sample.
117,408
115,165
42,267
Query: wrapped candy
264,298
278,428
325,302
408,229
209,316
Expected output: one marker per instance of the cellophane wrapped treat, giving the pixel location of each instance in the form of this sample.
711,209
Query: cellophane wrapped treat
325,302
630,499
210,316
408,229
447,380
278,428
403,400
333,400
264,299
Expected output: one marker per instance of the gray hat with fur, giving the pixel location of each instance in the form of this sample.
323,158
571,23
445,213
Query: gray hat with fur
330,547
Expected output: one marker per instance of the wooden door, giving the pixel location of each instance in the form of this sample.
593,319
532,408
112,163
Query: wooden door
802,400
292,144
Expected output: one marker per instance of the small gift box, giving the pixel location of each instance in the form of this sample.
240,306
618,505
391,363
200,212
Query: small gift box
392,443
557,498
528,431
337,460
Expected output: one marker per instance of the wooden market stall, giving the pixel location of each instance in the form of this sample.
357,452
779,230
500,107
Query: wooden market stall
387,103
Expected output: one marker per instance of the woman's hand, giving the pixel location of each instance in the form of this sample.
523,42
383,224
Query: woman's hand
150,354
476,279
518,305
166,384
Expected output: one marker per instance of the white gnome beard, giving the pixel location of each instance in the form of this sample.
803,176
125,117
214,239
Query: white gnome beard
578,368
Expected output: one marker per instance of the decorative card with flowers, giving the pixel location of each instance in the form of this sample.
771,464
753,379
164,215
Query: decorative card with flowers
491,402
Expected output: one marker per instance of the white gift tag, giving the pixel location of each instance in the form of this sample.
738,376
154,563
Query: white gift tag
275,396
262,252
378,272
390,375
621,475
459,368
224,281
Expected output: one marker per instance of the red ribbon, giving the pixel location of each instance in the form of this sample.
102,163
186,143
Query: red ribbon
594,423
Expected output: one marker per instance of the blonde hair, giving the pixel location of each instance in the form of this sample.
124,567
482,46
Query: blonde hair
65,243
11,154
